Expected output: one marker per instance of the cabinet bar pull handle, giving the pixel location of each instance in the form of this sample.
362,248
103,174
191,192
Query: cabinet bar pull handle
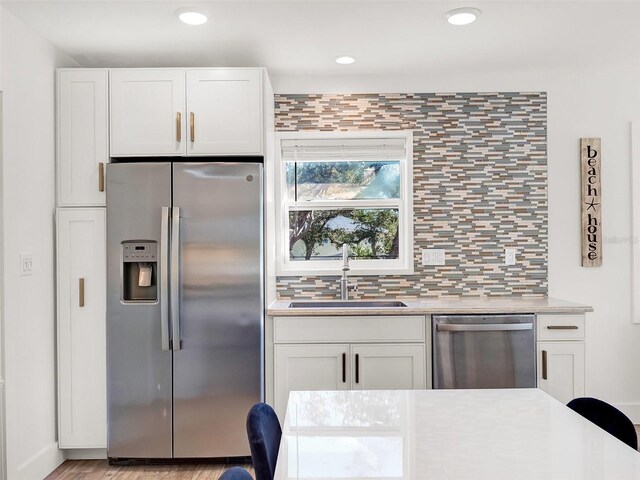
544,364
344,368
192,126
357,368
482,327
562,327
81,292
101,177
179,127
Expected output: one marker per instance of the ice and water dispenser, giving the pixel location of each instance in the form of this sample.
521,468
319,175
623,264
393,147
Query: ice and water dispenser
139,271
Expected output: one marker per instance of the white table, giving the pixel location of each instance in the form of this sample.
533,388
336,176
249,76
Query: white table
445,434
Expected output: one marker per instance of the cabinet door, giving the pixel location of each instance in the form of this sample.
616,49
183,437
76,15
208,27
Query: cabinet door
147,112
225,111
388,367
82,417
309,367
563,375
83,136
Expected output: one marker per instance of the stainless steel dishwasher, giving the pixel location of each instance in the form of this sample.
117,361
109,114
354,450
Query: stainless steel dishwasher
484,351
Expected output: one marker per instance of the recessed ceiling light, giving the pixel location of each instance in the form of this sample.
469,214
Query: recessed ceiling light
191,16
345,60
463,16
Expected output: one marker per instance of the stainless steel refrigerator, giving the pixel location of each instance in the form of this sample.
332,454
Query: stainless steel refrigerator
185,308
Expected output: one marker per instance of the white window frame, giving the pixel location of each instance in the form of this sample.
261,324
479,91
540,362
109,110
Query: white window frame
403,265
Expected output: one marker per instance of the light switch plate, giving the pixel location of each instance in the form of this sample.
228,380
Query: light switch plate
433,256
509,256
26,264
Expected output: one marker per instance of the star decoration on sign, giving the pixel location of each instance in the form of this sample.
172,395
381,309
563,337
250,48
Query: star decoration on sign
591,204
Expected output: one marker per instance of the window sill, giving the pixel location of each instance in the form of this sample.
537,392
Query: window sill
337,272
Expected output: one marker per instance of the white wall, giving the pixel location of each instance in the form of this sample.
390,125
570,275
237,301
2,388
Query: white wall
3,462
584,104
28,67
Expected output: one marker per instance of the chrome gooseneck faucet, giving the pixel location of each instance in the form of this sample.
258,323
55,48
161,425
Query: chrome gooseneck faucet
344,281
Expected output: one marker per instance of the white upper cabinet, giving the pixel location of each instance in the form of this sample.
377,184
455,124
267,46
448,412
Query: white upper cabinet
83,136
225,111
148,112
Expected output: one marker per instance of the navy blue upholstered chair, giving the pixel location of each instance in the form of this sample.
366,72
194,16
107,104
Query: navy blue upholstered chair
263,430
236,473
607,417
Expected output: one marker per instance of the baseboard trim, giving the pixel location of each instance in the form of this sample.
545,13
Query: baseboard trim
86,453
41,464
631,410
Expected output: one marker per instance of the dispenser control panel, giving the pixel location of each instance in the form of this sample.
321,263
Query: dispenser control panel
140,252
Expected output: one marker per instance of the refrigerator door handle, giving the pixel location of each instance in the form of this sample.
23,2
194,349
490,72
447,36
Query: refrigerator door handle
175,277
164,279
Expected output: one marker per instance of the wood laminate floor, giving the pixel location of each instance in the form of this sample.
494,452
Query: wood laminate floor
99,469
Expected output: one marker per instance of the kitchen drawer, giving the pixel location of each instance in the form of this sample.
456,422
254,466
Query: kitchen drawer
352,329
560,327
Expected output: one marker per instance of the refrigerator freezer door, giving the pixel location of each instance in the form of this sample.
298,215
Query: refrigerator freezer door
219,370
138,370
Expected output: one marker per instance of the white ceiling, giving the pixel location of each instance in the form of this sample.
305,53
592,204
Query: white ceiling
304,36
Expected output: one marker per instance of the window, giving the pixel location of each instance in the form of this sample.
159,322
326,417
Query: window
344,188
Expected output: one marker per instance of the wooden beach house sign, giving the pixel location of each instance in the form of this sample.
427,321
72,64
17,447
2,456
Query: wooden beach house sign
590,156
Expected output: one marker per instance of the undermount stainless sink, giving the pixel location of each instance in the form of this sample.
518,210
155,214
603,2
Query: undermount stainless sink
348,304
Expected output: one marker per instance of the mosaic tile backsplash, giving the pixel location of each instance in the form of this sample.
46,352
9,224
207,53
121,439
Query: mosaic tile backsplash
479,185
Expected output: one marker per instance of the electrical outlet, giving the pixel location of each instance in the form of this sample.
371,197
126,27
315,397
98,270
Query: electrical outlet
509,256
433,256
26,264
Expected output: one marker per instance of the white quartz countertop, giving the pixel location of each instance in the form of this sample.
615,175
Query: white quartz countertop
445,434
462,305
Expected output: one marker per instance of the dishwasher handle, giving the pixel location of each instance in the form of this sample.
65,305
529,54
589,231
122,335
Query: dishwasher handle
482,327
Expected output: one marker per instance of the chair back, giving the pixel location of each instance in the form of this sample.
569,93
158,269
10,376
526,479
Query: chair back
236,473
264,432
607,417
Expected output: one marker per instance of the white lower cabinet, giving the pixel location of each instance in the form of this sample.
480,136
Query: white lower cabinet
81,299
560,356
351,361
388,367
561,369
309,367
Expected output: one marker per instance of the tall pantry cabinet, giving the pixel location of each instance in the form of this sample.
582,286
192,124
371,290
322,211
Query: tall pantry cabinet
81,328
82,154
